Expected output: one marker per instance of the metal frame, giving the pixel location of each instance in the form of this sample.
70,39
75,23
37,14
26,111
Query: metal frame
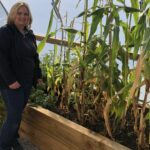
4,7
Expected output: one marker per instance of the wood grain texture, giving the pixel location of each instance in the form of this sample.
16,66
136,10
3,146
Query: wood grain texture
50,131
56,41
65,43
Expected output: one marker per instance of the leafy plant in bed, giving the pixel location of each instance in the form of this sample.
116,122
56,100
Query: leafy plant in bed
98,83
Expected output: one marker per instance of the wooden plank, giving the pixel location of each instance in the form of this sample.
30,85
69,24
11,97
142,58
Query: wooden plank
65,43
55,41
48,128
67,133
40,139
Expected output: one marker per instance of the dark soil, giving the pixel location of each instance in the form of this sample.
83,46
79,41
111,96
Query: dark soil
125,136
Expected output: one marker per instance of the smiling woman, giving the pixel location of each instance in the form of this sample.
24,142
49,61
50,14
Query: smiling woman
21,17
85,82
19,62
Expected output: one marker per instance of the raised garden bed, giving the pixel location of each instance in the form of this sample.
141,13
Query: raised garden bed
50,131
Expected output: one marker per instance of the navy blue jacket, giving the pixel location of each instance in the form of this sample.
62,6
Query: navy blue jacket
19,60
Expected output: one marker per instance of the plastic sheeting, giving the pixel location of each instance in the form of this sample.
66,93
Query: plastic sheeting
3,14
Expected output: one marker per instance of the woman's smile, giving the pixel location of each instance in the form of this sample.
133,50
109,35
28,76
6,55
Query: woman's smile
22,18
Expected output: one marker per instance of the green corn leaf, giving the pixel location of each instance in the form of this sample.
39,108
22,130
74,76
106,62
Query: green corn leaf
71,37
56,2
71,30
127,33
94,5
43,42
115,44
82,63
98,14
142,19
108,25
71,34
146,67
121,1
148,115
55,59
138,33
135,4
138,36
146,49
52,34
146,43
131,10
82,14
145,4
100,10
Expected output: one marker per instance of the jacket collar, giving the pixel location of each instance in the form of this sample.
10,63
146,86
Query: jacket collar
14,28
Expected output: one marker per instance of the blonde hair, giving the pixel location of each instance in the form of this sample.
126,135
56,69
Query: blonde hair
13,12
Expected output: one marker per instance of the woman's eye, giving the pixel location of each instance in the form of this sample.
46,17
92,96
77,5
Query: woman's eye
20,13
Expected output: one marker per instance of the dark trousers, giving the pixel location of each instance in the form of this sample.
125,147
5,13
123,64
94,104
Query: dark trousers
15,102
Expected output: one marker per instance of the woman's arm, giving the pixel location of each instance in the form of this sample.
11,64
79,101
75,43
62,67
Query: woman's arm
38,72
6,72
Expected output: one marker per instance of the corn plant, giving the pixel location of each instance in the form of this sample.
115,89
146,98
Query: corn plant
96,78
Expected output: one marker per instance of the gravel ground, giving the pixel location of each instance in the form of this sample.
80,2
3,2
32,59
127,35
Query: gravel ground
27,145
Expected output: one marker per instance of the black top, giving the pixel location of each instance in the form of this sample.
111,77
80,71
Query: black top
19,60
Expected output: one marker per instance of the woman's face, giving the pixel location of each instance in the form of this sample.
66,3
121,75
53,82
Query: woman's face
22,17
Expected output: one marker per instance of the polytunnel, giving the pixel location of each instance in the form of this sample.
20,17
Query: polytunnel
94,89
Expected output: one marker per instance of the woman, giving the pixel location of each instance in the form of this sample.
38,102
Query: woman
19,63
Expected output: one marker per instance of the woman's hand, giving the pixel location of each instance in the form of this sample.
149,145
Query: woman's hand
15,85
